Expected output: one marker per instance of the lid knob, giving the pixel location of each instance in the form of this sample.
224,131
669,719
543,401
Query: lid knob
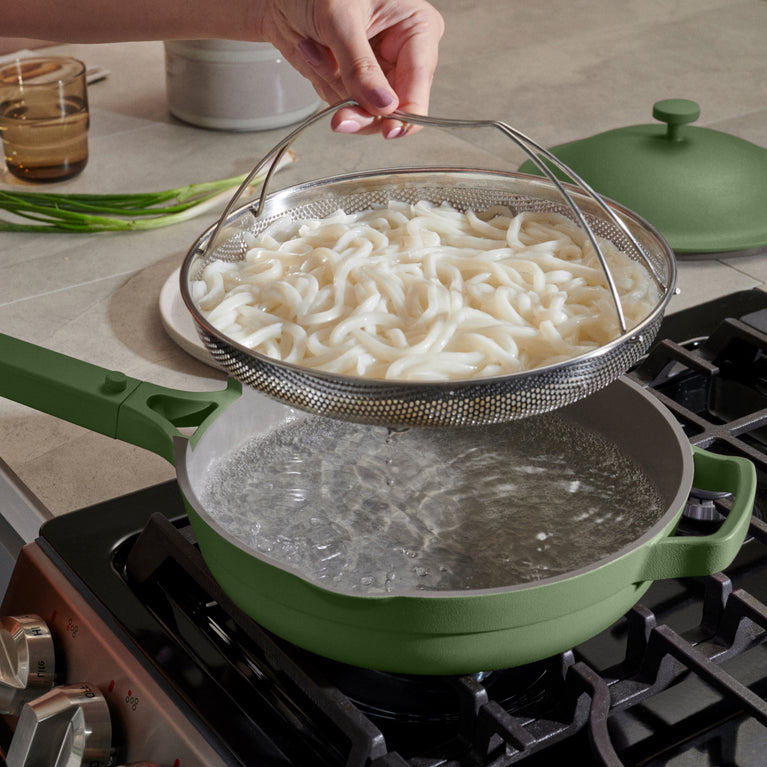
675,113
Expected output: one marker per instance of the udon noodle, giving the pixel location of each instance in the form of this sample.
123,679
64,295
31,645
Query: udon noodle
423,292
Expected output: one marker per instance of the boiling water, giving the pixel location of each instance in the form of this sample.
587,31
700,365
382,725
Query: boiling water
371,511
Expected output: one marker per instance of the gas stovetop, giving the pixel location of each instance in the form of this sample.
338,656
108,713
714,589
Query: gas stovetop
679,680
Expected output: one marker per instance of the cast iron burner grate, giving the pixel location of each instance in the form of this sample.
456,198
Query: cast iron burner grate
717,389
679,681
574,699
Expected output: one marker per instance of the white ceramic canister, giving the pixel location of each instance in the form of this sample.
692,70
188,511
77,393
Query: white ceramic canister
234,85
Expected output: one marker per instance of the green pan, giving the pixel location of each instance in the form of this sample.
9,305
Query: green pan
446,632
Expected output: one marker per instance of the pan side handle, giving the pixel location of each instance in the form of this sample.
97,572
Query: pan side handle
105,401
680,557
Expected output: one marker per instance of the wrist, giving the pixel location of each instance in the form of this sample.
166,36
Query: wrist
252,22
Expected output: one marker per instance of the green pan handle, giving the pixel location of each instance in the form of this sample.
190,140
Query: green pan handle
105,401
680,556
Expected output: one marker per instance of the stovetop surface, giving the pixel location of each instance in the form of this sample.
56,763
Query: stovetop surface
183,630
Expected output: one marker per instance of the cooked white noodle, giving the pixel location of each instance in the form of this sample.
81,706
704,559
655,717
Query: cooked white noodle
423,292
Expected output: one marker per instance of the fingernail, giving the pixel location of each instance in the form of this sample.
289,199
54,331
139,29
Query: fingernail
347,126
396,131
381,97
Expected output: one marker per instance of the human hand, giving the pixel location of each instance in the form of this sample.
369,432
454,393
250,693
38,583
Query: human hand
381,53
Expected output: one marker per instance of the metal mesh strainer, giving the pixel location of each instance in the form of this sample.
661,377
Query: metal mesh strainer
449,403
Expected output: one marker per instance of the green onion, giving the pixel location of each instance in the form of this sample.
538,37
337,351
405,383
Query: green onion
85,213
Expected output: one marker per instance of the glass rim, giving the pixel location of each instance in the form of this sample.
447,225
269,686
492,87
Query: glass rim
70,73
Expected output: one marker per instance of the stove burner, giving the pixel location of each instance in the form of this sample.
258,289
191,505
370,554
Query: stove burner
425,698
424,714
704,511
701,505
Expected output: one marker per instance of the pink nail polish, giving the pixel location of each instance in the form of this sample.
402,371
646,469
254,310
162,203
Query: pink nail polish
347,126
381,98
396,132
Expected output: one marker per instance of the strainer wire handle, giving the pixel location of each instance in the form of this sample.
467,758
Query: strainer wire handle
530,147
533,150
272,160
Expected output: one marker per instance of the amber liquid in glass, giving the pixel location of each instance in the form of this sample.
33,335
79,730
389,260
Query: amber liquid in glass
43,141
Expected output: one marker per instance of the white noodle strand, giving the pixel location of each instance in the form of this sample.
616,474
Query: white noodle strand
423,292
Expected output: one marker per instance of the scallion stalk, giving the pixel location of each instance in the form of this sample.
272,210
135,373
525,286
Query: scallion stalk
86,213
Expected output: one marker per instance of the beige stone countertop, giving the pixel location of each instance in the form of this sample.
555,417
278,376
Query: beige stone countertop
556,70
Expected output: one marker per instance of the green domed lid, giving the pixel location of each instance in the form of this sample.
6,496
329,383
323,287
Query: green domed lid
705,191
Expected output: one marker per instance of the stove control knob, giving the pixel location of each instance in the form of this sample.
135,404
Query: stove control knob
68,725
26,661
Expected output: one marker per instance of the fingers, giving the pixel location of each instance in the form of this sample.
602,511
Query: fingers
413,52
355,120
373,98
358,68
329,83
381,53
406,51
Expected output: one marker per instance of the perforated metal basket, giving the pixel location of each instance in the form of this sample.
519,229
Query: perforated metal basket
449,403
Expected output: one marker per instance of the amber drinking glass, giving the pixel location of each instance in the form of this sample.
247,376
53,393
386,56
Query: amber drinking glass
44,117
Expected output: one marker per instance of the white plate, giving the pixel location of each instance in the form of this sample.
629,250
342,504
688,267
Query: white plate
178,323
